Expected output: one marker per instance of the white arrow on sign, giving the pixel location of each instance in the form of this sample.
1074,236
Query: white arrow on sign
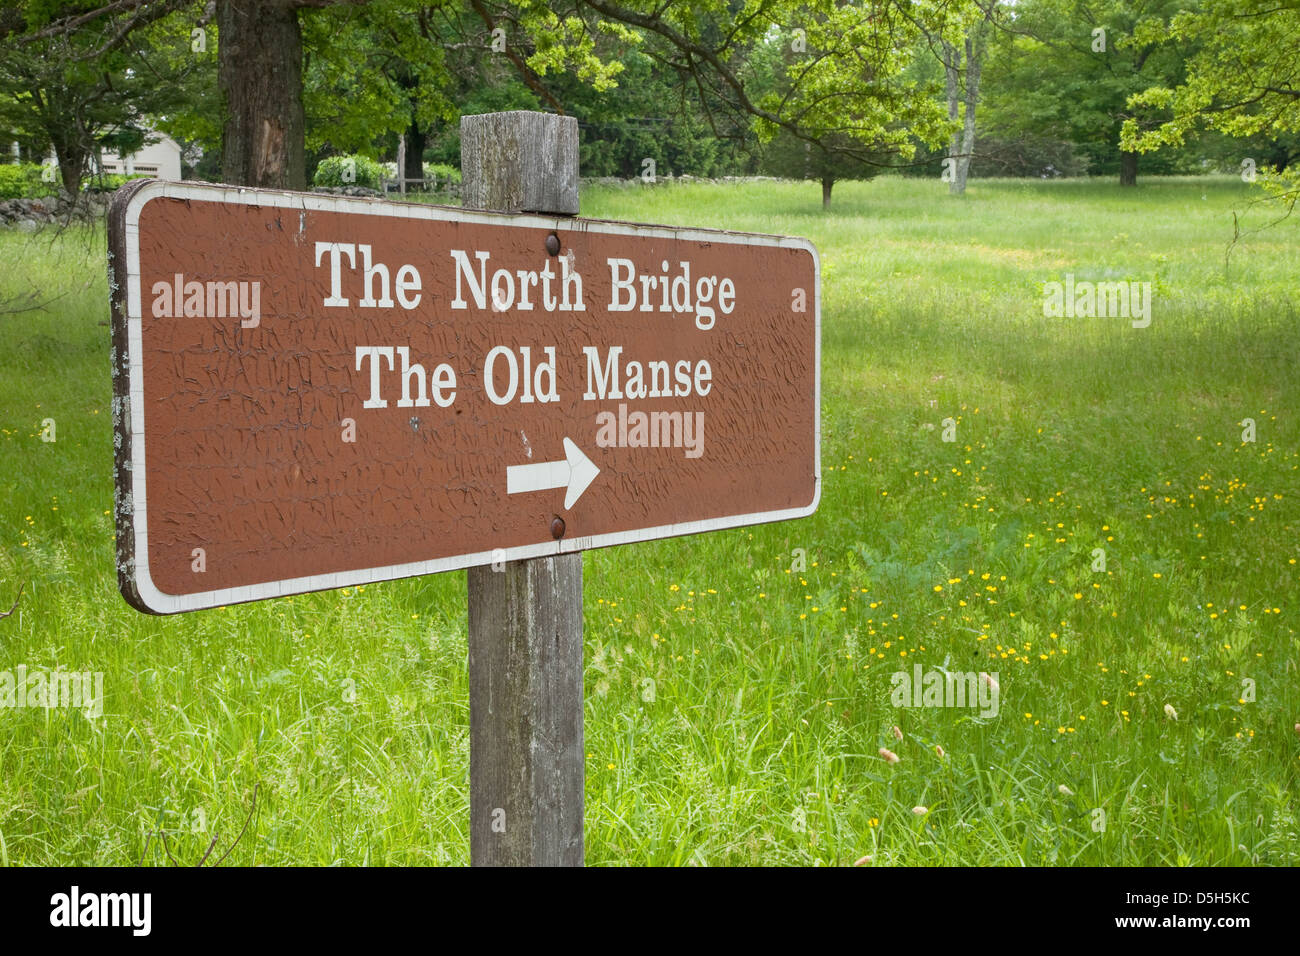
576,472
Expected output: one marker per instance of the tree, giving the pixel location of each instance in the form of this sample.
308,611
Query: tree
788,155
837,95
259,70
853,82
964,92
827,163
389,70
75,77
652,121
1063,71
261,74
1243,81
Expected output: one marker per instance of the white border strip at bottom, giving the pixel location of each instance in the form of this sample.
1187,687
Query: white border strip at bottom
171,604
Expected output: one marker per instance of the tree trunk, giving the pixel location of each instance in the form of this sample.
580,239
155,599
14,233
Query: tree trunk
1128,169
827,183
951,69
259,68
962,148
974,64
958,185
415,143
72,163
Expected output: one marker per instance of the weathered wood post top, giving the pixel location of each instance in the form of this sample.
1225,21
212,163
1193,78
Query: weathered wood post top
520,162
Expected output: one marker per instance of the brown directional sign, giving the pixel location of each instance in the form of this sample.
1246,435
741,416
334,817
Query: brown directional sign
314,392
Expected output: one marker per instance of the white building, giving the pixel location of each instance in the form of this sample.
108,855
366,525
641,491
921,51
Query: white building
161,158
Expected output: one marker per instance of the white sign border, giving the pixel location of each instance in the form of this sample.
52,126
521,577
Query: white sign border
161,603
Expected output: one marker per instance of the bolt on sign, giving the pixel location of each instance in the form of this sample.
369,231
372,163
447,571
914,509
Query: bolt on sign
315,392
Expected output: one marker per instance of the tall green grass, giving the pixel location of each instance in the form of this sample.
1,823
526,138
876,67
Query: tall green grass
736,701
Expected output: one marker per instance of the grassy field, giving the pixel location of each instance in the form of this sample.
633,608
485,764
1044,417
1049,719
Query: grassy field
736,701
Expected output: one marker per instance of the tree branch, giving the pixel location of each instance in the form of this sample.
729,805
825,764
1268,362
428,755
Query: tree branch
14,606
528,76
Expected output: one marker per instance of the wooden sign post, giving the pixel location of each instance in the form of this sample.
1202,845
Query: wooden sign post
525,617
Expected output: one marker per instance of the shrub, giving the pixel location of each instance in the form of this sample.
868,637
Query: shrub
442,172
349,171
23,181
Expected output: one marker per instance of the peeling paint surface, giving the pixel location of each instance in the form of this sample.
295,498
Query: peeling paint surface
242,427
